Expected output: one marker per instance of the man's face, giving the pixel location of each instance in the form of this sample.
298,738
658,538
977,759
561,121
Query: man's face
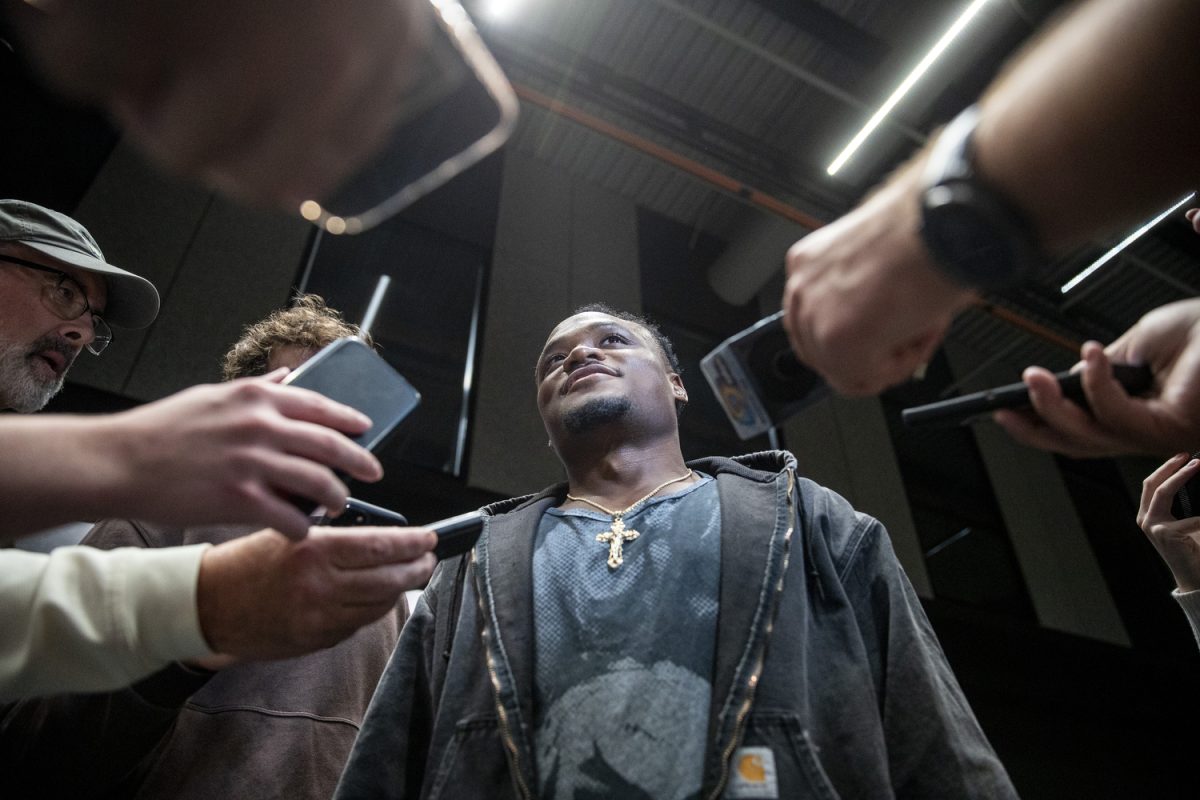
36,347
596,370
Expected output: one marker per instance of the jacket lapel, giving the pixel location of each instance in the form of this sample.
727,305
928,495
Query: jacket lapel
505,584
753,523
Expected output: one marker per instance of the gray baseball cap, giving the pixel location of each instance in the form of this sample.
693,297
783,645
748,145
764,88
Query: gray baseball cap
132,300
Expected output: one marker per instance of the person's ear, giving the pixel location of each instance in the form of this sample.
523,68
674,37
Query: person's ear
677,388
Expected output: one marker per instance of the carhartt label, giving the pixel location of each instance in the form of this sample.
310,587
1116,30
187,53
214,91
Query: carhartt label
753,774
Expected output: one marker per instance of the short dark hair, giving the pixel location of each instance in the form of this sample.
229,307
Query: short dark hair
308,323
661,339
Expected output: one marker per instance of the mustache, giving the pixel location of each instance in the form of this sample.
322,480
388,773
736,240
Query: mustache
57,344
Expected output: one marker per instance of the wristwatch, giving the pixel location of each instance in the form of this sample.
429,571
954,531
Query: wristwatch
975,235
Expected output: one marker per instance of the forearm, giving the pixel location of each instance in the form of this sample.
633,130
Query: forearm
1097,124
84,620
57,469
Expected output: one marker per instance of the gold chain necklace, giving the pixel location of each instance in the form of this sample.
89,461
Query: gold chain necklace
618,534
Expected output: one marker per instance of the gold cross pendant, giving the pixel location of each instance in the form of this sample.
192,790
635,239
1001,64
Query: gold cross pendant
615,538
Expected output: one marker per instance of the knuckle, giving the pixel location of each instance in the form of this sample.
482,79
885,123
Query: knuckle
329,445
377,549
240,492
248,391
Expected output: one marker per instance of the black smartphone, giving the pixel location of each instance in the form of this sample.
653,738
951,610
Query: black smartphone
351,373
758,380
457,535
458,109
1186,502
968,408
359,512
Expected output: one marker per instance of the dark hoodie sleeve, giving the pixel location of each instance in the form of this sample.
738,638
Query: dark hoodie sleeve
935,746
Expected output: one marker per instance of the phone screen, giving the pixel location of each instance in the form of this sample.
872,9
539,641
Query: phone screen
350,372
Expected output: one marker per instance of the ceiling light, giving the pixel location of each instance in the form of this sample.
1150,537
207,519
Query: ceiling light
500,10
949,36
1128,240
381,288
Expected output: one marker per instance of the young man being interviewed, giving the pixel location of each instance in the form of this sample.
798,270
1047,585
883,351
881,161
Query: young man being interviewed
656,628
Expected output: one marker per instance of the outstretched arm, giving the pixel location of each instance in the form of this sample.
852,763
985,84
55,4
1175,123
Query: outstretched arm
1095,125
85,620
233,453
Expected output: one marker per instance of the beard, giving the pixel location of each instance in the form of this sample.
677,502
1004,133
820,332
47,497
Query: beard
596,413
21,388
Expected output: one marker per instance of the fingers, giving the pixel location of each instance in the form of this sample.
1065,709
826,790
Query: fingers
280,513
367,547
791,315
844,356
1027,429
1115,423
309,406
1193,216
262,596
323,446
1113,409
374,566
1057,423
383,585
312,431
1160,487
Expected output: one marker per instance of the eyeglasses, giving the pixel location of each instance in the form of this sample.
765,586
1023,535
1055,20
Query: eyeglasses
66,299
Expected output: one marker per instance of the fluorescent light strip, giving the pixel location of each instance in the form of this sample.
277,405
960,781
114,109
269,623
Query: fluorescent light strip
949,36
376,301
1128,240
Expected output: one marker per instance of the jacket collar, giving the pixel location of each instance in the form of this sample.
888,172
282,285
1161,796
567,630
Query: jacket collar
762,467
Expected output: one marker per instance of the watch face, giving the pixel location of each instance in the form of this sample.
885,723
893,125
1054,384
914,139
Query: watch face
968,238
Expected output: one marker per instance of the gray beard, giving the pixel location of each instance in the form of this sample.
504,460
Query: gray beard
20,389
596,413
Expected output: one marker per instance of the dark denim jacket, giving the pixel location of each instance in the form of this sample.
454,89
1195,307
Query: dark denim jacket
823,655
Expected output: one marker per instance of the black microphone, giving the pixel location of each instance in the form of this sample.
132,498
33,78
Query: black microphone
758,380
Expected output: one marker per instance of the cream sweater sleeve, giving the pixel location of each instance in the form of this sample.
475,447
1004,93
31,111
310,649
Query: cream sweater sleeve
1190,603
87,620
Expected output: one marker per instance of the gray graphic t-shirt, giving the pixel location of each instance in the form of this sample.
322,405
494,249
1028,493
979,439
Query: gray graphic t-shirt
624,656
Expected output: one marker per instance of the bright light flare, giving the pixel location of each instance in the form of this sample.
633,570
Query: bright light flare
501,10
949,36
1128,240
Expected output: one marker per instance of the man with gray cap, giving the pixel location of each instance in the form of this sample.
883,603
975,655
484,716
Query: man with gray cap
56,254
84,620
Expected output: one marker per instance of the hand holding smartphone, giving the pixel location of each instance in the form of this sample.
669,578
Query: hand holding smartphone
456,535
962,410
351,373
